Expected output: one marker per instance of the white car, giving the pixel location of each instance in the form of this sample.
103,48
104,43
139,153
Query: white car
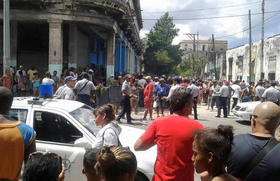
244,110
67,128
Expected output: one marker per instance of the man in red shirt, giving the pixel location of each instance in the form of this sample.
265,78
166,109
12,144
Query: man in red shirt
148,98
173,136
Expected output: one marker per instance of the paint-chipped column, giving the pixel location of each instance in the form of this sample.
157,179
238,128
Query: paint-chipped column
110,63
55,46
14,43
73,45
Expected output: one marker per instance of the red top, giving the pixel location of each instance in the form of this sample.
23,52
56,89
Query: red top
184,84
173,135
147,89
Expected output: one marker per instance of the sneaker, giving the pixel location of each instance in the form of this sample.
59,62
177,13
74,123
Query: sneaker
218,116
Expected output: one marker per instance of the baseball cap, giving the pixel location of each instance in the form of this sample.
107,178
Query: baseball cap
69,78
128,76
90,70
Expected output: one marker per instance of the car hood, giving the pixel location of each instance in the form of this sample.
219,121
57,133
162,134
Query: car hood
249,104
128,137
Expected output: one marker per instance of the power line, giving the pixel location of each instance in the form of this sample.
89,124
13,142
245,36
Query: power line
213,8
214,17
202,9
247,28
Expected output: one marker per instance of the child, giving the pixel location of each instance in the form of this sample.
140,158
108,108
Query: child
36,85
89,163
21,85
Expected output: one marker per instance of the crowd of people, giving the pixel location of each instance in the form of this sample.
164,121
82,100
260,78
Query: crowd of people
183,145
154,94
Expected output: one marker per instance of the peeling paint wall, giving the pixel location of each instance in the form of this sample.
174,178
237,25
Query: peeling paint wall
240,61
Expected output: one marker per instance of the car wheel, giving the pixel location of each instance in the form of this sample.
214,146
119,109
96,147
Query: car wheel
140,177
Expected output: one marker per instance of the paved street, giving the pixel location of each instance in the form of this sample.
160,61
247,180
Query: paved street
206,117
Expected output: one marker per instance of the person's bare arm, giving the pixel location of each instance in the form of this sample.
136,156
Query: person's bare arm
29,150
141,146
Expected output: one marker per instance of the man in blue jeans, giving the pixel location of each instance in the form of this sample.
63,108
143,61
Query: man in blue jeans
224,93
126,108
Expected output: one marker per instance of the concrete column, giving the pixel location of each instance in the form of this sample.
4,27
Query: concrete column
55,46
73,45
14,31
110,63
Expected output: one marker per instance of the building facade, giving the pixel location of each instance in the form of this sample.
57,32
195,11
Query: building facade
216,60
238,61
55,34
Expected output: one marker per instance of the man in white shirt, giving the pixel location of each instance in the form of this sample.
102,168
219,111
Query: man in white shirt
195,92
85,89
224,92
67,91
236,93
259,91
271,94
126,107
215,94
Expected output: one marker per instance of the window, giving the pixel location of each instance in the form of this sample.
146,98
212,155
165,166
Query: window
55,128
19,114
272,64
203,47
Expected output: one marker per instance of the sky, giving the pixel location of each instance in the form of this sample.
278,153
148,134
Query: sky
233,29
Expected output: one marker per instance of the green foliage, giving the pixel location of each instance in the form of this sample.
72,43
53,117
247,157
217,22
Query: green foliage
161,56
191,66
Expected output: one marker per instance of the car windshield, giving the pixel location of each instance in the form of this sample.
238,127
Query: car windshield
85,116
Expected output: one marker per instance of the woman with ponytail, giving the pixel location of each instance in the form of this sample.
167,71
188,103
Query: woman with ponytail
211,149
109,134
116,164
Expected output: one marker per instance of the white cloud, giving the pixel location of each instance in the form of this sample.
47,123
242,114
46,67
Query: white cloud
218,27
183,29
143,33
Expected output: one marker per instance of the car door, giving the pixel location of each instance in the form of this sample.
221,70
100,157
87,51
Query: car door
57,133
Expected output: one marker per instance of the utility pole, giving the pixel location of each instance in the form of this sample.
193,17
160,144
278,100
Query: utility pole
262,44
214,55
6,35
192,36
250,48
197,42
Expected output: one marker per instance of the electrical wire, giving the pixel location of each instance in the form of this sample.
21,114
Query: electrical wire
203,9
213,17
247,28
212,8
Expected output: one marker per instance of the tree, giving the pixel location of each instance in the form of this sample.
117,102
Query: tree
160,46
191,66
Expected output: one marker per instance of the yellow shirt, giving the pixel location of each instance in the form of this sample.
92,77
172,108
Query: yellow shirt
30,73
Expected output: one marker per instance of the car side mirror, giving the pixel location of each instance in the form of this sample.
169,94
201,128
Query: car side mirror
82,142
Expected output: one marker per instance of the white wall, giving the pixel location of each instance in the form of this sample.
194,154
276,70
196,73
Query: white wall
271,48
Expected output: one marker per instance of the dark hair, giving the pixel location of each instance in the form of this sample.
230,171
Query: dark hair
42,167
6,99
114,162
48,74
179,98
218,141
109,110
89,160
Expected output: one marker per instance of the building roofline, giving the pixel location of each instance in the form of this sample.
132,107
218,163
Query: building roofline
254,41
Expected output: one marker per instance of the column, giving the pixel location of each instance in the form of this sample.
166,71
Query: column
73,45
110,63
14,31
55,46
